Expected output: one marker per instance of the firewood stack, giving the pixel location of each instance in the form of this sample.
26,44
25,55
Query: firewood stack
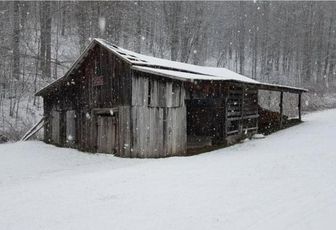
269,121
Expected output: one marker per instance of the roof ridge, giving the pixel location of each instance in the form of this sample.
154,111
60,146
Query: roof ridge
102,41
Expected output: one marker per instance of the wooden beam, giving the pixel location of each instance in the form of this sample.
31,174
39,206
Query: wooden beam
34,129
299,106
225,128
105,110
242,111
281,108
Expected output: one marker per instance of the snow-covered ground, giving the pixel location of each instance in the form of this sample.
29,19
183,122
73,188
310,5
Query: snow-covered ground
285,181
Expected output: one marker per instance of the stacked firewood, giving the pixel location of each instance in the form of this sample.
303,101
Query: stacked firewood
269,121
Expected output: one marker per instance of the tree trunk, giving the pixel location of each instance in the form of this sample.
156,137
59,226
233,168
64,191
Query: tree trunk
241,37
45,37
16,40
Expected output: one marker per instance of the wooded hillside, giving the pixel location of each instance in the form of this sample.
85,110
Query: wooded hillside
279,42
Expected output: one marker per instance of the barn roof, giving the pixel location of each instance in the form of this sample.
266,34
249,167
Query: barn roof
170,69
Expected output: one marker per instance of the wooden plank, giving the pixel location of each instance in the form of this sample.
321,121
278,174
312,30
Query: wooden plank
169,94
145,83
146,129
240,125
225,113
299,106
109,141
154,93
183,117
99,134
169,132
174,130
135,89
162,94
55,127
182,96
142,129
159,131
34,129
70,127
127,143
121,130
135,130
281,109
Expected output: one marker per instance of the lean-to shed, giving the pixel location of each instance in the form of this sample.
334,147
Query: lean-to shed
116,101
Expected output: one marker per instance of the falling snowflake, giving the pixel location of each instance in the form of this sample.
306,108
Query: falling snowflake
102,24
307,102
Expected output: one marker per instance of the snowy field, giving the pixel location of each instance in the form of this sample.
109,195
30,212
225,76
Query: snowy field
285,181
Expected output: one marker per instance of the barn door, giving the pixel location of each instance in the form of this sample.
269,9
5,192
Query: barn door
107,134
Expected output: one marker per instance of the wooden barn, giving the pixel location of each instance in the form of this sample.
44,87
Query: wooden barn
116,101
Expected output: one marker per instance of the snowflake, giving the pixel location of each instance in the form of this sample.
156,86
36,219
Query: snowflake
307,102
102,24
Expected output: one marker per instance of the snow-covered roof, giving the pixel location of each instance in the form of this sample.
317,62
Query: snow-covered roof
186,76
170,69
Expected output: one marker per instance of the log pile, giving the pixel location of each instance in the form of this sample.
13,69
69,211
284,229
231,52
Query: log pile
269,121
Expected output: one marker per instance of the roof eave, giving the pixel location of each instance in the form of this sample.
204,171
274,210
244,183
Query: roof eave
259,85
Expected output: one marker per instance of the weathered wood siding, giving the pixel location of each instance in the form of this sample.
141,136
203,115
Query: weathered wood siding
55,124
124,126
106,134
82,94
151,114
158,117
70,127
47,106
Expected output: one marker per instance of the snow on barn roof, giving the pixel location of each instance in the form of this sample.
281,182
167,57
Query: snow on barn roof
183,76
170,69
160,64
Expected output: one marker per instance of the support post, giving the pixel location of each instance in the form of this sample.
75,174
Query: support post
241,122
226,95
281,108
299,106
